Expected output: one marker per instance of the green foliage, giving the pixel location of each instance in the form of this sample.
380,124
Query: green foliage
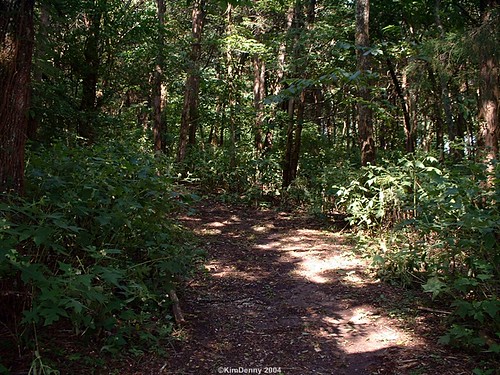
94,243
437,226
381,196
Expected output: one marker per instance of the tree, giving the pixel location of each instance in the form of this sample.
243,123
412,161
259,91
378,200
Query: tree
90,71
158,122
487,47
189,119
365,120
297,25
16,50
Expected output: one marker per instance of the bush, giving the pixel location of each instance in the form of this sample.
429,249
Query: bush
438,227
94,243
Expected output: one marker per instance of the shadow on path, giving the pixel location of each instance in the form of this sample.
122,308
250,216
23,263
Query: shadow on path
283,296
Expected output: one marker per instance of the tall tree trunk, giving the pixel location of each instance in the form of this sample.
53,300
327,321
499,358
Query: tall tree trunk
436,116
445,92
259,93
295,151
90,75
299,23
16,50
409,130
158,122
487,43
189,117
231,91
365,116
39,54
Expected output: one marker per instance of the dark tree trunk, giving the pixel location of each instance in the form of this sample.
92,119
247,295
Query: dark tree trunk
445,93
90,76
158,123
295,152
365,116
16,50
288,173
231,76
298,23
259,92
436,116
189,117
39,54
487,42
409,129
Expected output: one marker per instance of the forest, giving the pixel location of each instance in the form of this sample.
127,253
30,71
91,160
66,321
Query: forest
117,117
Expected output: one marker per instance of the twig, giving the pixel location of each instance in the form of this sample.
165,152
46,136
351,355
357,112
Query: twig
433,310
176,307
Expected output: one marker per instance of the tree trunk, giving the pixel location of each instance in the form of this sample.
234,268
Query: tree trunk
259,93
90,76
445,93
487,42
158,123
39,54
16,50
365,116
298,23
295,152
436,116
189,117
409,130
231,92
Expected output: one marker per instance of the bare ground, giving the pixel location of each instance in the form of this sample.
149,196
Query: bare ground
283,295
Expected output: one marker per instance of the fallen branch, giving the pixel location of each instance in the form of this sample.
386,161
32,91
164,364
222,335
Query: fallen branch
176,307
433,310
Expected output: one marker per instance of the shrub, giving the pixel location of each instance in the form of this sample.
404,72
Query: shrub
95,243
437,226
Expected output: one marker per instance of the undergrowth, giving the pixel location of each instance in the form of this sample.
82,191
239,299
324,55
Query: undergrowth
438,227
93,244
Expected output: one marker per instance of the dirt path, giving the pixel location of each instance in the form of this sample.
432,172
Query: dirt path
283,296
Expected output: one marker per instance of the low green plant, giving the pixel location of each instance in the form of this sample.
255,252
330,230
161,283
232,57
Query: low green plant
436,226
94,242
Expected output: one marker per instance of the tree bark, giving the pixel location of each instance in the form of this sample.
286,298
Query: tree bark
487,42
231,91
409,131
445,93
158,122
365,116
259,93
39,53
297,24
16,51
90,75
189,117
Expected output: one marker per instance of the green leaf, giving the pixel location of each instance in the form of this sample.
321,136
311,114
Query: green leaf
41,235
489,240
110,275
30,316
463,308
491,308
74,304
52,315
435,286
33,272
494,348
445,339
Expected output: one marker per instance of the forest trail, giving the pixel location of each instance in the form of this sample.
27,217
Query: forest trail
281,295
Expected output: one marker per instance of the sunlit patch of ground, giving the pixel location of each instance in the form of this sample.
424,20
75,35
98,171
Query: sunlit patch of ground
285,292
317,257
224,270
